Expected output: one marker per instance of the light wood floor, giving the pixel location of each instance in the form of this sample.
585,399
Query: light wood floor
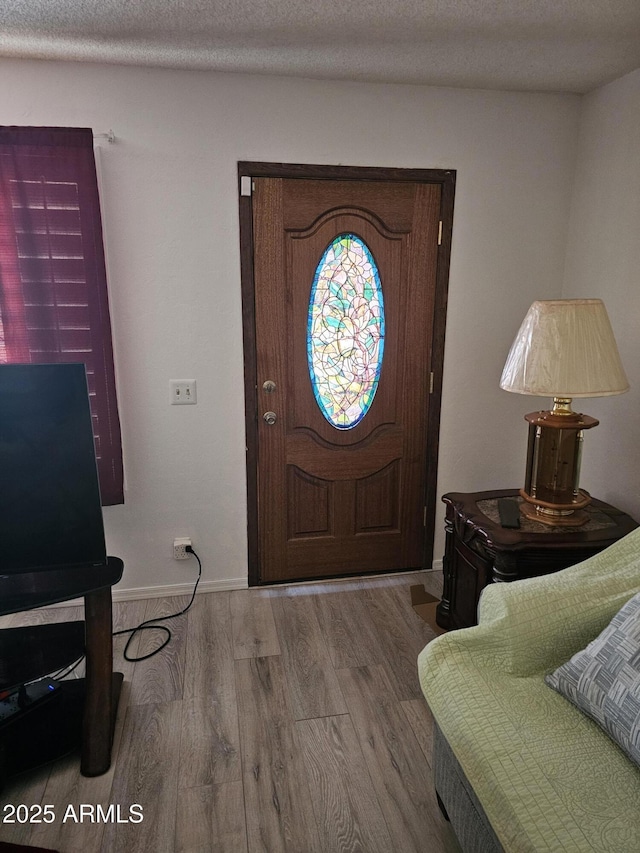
280,719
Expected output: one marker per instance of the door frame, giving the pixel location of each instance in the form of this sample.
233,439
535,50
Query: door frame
247,170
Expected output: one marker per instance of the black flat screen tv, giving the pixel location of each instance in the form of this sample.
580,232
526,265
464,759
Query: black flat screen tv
50,508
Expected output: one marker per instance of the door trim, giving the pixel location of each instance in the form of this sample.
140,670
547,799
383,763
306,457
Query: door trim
447,180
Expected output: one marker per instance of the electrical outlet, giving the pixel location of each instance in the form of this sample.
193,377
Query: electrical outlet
180,548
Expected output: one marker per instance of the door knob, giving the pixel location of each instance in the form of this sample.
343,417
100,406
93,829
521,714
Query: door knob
270,418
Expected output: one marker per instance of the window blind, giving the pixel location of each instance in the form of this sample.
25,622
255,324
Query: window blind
53,288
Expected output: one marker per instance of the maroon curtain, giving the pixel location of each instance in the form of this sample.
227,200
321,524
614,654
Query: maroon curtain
53,286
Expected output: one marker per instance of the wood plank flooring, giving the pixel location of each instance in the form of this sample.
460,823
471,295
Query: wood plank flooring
278,720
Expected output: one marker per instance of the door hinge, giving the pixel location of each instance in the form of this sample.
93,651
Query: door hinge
431,380
246,185
440,233
424,517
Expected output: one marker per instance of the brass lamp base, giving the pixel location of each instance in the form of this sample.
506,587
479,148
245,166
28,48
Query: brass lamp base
551,494
556,515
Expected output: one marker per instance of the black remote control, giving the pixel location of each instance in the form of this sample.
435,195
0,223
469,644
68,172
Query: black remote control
509,513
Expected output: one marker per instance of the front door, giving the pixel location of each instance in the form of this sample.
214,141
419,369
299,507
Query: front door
347,335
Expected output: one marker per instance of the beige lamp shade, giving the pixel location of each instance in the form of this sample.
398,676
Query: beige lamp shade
565,348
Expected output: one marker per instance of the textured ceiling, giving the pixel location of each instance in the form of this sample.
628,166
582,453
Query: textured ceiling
540,45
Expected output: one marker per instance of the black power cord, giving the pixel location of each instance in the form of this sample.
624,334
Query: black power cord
143,626
148,625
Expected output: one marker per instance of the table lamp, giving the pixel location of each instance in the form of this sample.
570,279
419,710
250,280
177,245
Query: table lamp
565,348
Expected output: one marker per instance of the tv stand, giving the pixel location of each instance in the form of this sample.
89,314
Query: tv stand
94,701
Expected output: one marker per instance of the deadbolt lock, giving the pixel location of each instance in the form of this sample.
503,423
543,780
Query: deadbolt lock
269,386
270,418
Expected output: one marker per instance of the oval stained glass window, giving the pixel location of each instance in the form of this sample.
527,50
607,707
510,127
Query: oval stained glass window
345,331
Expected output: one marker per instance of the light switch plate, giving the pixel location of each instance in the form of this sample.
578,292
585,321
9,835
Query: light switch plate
183,392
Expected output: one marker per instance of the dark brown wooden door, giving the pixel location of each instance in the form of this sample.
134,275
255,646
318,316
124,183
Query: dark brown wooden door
336,501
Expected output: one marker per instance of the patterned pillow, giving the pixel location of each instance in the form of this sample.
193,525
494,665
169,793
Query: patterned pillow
603,680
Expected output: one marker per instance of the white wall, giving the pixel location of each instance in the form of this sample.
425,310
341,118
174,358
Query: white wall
603,260
171,235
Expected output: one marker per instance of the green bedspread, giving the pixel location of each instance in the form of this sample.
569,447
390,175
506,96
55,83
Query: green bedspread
548,778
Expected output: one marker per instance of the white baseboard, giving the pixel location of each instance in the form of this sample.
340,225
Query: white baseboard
164,591
167,590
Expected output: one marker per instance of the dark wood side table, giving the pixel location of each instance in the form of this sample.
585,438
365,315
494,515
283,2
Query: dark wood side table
479,551
24,649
